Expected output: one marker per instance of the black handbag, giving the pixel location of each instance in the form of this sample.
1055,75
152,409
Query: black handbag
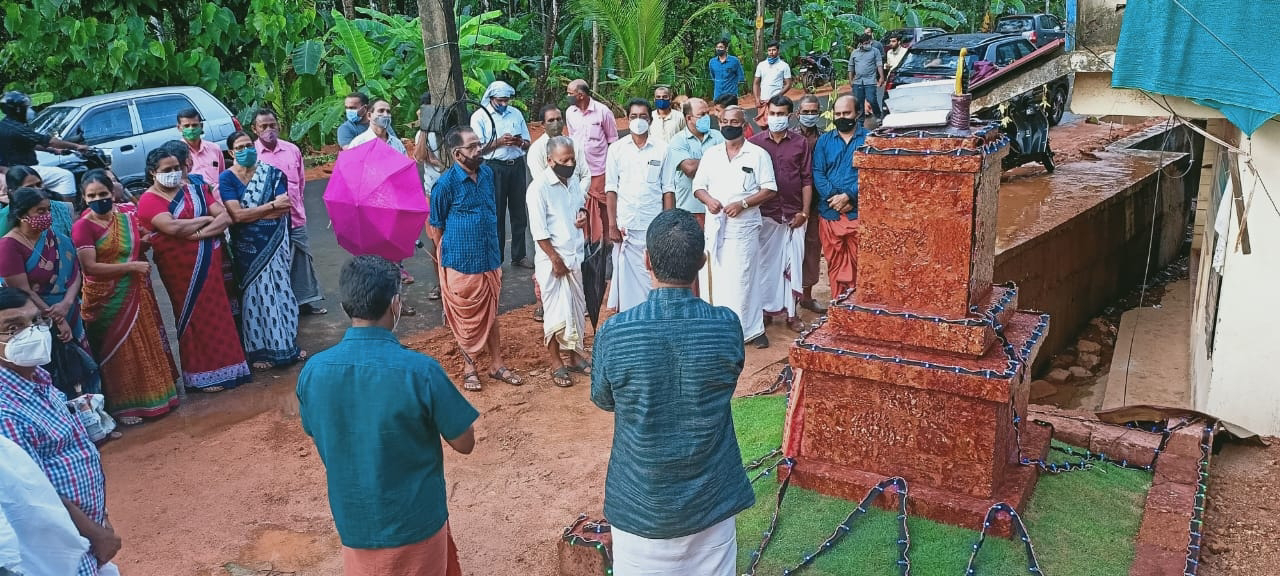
74,372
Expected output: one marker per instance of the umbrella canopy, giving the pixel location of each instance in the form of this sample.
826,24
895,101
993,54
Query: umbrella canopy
594,275
376,202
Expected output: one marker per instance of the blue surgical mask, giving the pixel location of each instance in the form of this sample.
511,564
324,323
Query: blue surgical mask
500,109
247,157
773,59
353,116
703,124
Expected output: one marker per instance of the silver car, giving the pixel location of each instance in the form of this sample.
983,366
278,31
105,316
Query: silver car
129,125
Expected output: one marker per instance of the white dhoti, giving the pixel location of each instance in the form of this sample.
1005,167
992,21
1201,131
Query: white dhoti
729,278
711,552
564,306
631,283
781,266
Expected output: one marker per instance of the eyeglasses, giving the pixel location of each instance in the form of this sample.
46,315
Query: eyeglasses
39,322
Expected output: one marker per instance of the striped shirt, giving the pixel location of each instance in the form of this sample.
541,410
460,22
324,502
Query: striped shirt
667,369
34,415
467,211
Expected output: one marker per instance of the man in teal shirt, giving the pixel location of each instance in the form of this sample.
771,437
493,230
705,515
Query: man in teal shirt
377,412
667,369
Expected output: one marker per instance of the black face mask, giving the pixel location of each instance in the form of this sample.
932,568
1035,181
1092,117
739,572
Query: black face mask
471,163
719,52
564,171
846,124
102,205
731,132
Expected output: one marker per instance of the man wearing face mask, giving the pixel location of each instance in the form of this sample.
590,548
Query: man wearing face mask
286,157
593,128
380,128
683,157
836,182
666,121
505,140
733,180
784,218
726,71
34,415
355,108
633,184
866,73
553,126
463,219
18,144
773,75
377,412
809,116
557,215
205,157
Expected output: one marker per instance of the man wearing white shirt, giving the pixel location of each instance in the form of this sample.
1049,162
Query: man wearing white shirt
733,180
379,127
37,535
667,121
633,186
504,142
557,215
772,77
536,159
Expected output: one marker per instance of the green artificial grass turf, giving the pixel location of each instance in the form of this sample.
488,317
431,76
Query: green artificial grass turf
1081,523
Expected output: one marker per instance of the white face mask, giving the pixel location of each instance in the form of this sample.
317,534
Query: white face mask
30,347
169,179
779,123
638,126
808,121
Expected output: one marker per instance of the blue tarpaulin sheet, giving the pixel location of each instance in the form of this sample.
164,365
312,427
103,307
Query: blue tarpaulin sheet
1222,54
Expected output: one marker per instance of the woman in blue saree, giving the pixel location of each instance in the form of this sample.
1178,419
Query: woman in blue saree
42,262
256,196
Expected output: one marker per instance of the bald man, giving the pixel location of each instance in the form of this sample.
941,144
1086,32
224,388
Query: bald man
836,182
593,129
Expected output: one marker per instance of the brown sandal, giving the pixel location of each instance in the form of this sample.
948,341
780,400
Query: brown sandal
560,377
506,375
471,382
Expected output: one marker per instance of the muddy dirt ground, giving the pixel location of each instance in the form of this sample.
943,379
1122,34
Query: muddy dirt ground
229,483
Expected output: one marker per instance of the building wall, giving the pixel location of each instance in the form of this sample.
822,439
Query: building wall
1243,386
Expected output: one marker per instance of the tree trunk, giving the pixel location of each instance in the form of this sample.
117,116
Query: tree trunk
759,24
551,23
349,9
440,45
596,50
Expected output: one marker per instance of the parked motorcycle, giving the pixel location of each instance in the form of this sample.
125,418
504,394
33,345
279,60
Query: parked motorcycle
1027,125
84,161
816,69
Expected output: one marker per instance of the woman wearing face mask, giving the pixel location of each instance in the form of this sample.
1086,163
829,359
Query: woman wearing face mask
122,319
26,177
257,198
42,263
187,249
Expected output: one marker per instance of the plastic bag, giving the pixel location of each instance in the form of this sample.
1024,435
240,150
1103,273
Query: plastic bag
91,410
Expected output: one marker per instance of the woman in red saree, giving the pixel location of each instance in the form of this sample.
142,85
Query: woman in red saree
187,248
119,308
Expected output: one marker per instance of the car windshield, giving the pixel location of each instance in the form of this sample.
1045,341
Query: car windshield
941,62
1010,25
52,120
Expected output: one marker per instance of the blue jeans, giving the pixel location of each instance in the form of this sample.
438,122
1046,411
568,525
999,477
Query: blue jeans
864,92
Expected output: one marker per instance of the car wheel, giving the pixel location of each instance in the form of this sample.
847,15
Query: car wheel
1058,105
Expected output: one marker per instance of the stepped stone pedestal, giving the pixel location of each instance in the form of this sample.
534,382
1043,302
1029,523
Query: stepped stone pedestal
922,371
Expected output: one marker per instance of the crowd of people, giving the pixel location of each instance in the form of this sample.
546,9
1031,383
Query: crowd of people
713,231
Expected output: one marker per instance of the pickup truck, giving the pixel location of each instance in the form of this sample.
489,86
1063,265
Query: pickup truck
1039,29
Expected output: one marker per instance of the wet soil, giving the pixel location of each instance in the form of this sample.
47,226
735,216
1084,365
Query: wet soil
1243,515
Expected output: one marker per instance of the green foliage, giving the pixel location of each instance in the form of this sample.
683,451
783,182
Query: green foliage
1082,523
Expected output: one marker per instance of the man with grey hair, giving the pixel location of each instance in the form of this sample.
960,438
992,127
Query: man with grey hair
557,215
377,411
593,128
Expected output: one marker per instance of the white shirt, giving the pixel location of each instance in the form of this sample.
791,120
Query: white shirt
663,129
537,160
635,174
728,182
511,121
368,135
37,537
773,78
553,208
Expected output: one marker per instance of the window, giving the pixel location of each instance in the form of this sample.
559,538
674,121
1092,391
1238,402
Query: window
161,112
1015,25
52,120
941,62
1048,22
1023,48
1006,53
110,122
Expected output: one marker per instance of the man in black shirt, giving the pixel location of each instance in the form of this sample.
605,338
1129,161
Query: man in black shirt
18,144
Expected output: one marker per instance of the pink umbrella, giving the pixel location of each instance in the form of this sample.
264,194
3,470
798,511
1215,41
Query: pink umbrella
376,202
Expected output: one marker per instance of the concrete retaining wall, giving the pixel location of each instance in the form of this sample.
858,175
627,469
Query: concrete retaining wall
1079,238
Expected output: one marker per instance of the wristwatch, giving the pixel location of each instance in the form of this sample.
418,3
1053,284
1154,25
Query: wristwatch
744,204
